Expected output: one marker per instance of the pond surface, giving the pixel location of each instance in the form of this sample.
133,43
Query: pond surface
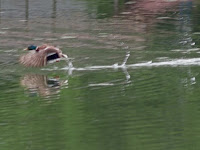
133,80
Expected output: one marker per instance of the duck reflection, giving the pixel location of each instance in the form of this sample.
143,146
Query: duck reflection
42,85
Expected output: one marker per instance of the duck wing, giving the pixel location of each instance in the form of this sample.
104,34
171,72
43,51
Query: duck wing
34,59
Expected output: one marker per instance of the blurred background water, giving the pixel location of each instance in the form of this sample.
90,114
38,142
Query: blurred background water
104,102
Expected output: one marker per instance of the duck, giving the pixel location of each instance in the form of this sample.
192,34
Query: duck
39,56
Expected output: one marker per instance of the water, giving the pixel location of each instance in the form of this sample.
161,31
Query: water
131,83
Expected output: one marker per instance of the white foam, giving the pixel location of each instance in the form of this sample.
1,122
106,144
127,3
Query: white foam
68,37
175,62
172,63
101,84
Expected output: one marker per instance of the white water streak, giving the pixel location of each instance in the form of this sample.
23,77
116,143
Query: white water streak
101,84
172,63
126,58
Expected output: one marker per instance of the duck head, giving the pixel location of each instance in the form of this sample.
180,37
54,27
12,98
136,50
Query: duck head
31,47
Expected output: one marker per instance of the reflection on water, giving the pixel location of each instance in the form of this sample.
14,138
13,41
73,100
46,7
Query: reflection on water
41,84
27,10
134,82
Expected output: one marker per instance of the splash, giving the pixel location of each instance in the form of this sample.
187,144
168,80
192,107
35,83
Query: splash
124,66
126,59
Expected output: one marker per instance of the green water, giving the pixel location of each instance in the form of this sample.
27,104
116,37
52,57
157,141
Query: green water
149,103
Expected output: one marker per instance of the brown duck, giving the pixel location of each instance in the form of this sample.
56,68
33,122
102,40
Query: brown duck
39,56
